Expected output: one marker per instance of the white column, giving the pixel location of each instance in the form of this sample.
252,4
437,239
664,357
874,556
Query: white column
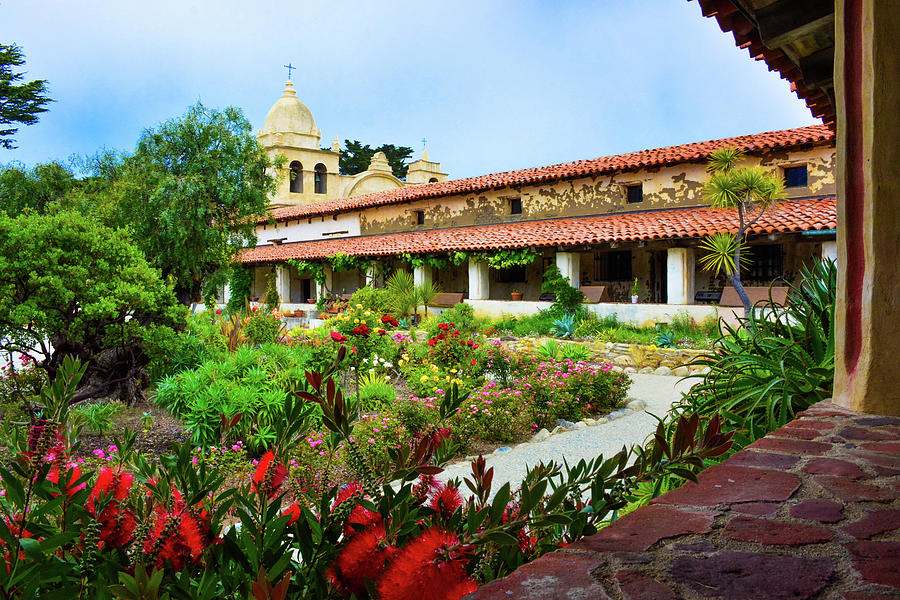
422,275
370,275
829,250
283,283
226,294
680,266
479,280
569,264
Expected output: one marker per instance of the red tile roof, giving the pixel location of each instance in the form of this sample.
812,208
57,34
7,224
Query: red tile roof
670,155
788,216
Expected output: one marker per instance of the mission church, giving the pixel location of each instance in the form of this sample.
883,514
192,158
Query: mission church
603,221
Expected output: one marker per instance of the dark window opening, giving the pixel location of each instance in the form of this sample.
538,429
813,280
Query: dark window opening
613,266
321,185
296,178
515,206
795,176
635,193
767,263
433,180
511,275
420,217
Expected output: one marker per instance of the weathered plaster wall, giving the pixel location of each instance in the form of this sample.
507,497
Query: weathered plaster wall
669,187
315,228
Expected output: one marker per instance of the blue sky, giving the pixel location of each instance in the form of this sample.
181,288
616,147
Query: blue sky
492,85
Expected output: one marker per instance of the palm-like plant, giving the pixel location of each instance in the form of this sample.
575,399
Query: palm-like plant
751,191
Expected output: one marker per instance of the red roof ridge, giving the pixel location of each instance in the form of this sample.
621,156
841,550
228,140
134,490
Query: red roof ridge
666,155
806,214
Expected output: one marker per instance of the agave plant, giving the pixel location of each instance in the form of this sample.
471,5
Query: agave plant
776,362
564,327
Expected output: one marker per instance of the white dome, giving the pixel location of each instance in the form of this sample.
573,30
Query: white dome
289,115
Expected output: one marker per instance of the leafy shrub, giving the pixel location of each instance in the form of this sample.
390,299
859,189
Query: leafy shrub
251,382
549,350
461,316
272,300
566,299
377,300
375,392
574,352
240,285
263,327
537,324
97,417
778,361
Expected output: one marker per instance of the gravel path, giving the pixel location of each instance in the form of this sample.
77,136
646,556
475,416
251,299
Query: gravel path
659,392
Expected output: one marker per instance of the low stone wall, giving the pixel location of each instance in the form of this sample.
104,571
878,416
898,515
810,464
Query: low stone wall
635,314
630,358
812,510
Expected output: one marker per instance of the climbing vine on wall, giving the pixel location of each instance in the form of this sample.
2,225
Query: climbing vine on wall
345,262
506,258
424,260
314,268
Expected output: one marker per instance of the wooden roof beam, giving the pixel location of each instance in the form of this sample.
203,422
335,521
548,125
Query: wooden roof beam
785,21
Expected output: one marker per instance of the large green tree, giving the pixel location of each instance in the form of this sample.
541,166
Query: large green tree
355,157
19,102
36,189
748,190
72,287
191,193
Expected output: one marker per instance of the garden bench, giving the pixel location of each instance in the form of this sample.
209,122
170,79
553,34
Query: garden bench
704,296
594,294
755,293
447,299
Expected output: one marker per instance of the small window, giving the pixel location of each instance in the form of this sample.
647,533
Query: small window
767,263
433,180
613,266
511,275
321,185
420,217
795,176
635,193
296,177
515,206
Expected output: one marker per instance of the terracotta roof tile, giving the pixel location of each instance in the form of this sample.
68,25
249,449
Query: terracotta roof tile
788,216
670,155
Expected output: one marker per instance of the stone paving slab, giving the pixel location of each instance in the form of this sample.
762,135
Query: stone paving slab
810,511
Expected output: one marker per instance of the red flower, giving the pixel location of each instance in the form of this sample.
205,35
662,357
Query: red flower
446,500
389,320
174,538
362,559
71,489
360,516
266,479
254,308
444,327
110,483
474,362
361,329
431,567
116,523
293,511
424,486
338,337
380,331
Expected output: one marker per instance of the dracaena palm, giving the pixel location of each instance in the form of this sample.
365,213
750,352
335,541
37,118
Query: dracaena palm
751,191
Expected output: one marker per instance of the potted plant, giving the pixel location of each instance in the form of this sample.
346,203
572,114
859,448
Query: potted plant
635,291
516,295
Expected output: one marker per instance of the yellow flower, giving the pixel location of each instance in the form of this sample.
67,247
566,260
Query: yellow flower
405,356
368,312
434,368
363,321
423,378
436,378
447,378
453,370
356,320
359,306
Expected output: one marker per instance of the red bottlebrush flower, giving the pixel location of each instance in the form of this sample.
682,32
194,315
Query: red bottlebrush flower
526,542
360,516
444,327
337,337
111,483
424,486
474,362
268,478
430,567
293,512
362,329
71,489
174,538
362,559
446,500
389,320
116,526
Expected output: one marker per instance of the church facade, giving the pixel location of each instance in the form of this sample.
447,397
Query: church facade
602,221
